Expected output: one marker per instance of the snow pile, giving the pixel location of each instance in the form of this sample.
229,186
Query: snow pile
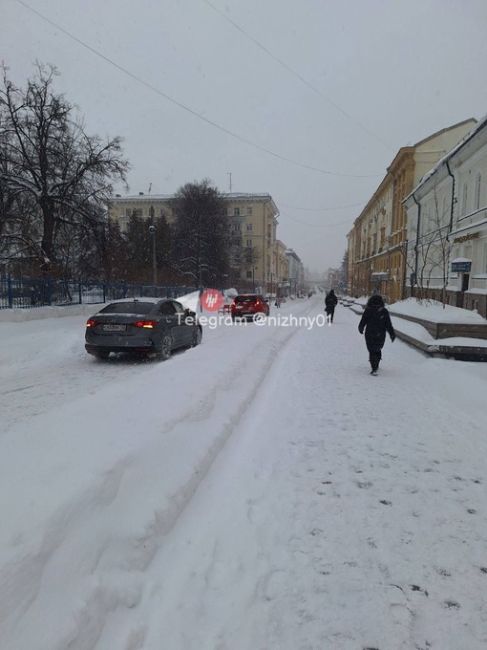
418,332
190,301
41,313
436,312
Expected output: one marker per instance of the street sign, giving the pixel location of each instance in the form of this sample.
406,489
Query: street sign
461,267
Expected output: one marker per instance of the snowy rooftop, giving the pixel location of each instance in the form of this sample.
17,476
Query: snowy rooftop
469,136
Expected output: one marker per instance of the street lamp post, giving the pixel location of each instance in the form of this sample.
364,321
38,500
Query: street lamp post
152,230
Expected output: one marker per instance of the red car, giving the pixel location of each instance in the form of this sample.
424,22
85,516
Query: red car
248,305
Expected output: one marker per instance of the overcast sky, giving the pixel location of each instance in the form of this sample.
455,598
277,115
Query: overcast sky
371,76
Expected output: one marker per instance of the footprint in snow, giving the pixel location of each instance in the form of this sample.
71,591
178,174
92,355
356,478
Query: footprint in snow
443,572
483,569
385,502
451,604
363,484
471,511
418,588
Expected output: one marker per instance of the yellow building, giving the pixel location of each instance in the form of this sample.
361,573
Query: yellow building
377,243
281,263
253,220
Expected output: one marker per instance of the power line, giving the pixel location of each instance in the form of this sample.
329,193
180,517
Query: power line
156,90
297,74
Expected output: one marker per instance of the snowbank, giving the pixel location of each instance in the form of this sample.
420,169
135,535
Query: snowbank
189,300
418,332
436,312
41,313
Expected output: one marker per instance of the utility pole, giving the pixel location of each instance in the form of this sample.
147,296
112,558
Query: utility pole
230,181
152,230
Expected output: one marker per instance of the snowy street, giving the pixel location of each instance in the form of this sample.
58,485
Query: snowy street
259,492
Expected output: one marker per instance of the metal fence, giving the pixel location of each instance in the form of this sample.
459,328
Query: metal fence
24,293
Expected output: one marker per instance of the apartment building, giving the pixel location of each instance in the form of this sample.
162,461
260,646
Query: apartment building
447,227
378,241
253,220
281,263
295,272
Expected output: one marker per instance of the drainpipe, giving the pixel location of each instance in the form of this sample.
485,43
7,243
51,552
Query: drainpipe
447,163
418,226
451,220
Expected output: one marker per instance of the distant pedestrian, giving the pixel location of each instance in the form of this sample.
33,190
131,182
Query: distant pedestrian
278,301
330,303
376,322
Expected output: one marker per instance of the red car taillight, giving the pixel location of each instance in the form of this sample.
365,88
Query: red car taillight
91,322
146,324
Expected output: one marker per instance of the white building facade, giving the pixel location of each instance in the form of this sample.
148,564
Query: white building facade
447,226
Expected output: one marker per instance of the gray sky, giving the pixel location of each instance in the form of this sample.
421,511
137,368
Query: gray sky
378,74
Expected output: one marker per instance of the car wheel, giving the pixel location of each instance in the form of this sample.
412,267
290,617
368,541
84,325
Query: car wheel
197,336
102,355
165,348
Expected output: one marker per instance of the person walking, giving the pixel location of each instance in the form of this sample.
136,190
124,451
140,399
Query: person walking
278,301
376,322
330,303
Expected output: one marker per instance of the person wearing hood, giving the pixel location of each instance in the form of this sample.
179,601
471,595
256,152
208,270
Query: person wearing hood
376,322
330,303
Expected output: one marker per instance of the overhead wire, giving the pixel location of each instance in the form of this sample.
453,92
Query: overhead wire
186,108
297,74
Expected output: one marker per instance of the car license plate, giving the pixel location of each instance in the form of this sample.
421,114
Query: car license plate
110,327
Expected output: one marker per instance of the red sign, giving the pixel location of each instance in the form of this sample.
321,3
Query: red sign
211,300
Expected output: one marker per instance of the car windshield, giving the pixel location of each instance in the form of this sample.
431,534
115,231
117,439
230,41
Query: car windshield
134,307
246,298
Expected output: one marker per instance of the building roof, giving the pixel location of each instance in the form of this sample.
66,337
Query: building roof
442,161
403,150
234,196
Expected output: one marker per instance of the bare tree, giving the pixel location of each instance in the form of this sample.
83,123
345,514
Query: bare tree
201,238
433,251
50,163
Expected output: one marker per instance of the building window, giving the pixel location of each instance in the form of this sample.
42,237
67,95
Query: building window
249,243
249,210
249,275
249,226
464,198
236,212
478,183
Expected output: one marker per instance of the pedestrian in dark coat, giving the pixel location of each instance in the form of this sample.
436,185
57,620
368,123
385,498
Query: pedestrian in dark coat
330,303
376,322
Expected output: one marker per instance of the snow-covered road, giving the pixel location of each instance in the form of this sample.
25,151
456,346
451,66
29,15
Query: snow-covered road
259,492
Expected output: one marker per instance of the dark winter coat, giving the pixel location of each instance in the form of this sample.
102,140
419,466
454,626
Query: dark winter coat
330,302
376,322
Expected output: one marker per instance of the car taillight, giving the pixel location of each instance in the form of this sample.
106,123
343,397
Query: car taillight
146,324
91,322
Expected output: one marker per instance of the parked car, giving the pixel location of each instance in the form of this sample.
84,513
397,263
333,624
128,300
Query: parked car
248,305
149,326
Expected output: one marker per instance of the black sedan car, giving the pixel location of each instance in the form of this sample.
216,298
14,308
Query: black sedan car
149,326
